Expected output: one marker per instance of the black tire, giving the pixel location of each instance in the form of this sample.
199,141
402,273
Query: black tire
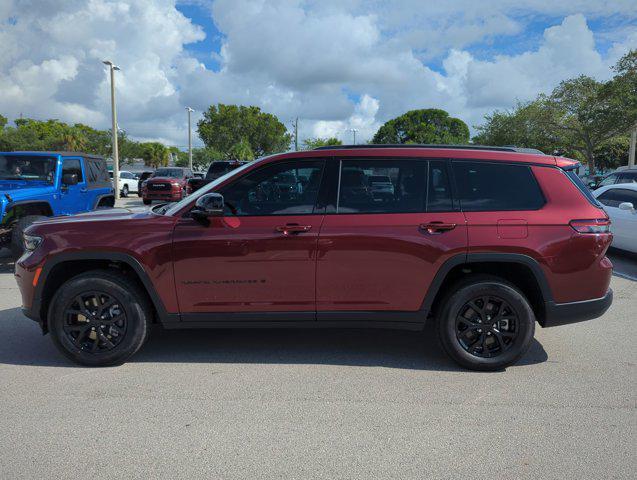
147,202
495,347
131,318
17,244
125,191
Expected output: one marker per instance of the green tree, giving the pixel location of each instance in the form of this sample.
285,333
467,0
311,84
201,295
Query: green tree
242,150
580,118
155,154
201,158
225,126
312,143
3,121
612,153
429,125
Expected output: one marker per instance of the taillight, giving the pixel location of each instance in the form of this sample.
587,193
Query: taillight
596,225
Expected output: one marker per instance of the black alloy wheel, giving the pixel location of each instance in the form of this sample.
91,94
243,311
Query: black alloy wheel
95,322
485,323
486,326
99,318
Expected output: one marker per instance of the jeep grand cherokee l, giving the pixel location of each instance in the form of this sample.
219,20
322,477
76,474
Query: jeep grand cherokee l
482,241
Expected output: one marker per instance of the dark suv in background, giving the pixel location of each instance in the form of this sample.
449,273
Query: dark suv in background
481,241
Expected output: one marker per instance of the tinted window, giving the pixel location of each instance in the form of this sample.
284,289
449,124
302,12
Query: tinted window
382,186
615,196
72,167
169,172
95,171
30,168
627,177
439,189
492,186
289,188
609,180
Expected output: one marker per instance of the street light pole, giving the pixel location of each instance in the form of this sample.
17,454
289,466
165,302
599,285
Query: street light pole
112,69
353,130
190,110
631,152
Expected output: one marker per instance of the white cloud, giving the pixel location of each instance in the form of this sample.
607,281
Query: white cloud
336,65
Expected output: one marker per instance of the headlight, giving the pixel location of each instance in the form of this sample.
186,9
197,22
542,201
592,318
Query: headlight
31,242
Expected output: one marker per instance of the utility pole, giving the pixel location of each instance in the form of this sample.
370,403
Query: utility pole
296,134
112,69
631,152
190,110
353,130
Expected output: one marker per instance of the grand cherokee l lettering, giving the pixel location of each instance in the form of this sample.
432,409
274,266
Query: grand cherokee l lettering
484,242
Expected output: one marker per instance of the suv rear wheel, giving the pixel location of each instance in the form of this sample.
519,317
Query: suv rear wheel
99,318
486,323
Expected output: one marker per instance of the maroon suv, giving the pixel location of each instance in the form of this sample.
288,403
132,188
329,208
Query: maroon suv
481,241
167,184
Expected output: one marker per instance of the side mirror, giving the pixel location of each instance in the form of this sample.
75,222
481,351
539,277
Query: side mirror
627,206
208,205
69,179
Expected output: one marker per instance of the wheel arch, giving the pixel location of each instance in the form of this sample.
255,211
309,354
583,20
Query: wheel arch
522,271
104,200
29,207
63,267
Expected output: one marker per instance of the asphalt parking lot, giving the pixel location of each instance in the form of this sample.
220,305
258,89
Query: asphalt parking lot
320,404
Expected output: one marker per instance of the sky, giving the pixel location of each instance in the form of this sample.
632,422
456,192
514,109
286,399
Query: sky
337,65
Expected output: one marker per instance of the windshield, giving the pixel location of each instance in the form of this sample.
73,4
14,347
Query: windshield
23,167
190,198
169,172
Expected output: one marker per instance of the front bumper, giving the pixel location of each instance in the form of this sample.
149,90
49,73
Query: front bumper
172,196
565,313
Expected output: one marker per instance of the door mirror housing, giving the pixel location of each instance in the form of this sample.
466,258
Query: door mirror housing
208,205
69,179
627,206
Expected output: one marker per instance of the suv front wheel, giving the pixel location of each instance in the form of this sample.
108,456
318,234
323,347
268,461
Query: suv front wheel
486,323
99,318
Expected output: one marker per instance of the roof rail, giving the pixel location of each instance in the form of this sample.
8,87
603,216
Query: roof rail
416,145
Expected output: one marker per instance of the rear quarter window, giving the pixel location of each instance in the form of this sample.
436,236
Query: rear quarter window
484,186
96,171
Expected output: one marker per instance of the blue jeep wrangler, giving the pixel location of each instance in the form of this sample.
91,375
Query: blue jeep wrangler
35,185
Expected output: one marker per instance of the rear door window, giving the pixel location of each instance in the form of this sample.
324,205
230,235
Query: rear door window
484,186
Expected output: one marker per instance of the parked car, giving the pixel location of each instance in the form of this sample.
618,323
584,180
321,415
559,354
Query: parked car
215,170
381,187
620,202
167,184
128,182
621,175
141,179
483,242
36,185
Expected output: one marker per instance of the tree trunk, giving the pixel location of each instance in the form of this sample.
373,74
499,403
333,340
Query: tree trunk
590,157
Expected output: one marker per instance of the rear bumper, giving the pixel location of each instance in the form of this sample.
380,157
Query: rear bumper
565,313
